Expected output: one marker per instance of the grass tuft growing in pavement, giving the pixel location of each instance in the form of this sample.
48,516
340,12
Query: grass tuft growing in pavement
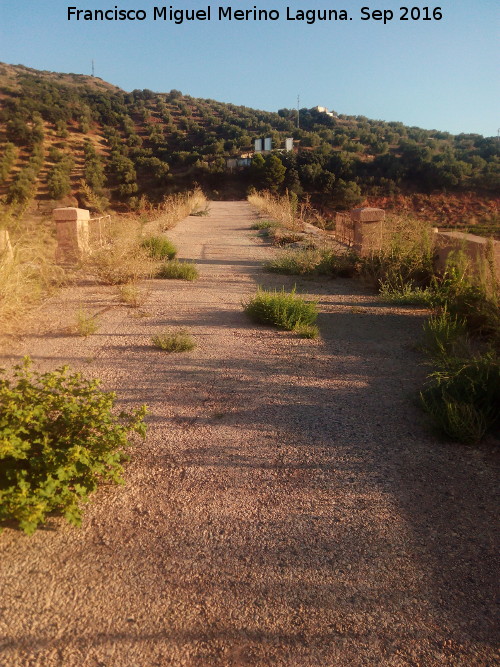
159,247
283,309
174,341
176,270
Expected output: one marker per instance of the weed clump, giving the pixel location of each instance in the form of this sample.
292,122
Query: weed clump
313,261
85,323
282,309
159,247
264,225
59,438
132,295
176,270
174,341
462,396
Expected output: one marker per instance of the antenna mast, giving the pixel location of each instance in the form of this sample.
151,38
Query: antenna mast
298,113
92,68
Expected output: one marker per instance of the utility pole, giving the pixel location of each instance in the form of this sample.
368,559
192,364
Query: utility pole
92,68
298,112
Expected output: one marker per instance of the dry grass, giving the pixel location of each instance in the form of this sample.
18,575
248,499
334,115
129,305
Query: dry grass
176,207
124,257
28,276
174,341
132,295
282,209
121,259
32,273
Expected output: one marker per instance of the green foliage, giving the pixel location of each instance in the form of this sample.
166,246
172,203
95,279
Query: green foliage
273,173
93,168
306,330
346,194
282,309
462,396
406,294
445,336
58,183
59,438
264,225
159,247
313,262
85,323
7,160
196,136
176,270
174,341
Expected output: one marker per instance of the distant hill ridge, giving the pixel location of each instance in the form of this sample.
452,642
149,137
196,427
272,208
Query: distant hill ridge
73,137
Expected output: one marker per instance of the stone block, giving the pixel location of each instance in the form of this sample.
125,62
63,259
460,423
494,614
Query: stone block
72,231
70,213
367,214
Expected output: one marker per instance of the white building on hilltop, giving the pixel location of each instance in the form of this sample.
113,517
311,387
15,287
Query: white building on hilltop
325,110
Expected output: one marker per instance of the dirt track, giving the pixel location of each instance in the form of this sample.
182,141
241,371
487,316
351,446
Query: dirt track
289,506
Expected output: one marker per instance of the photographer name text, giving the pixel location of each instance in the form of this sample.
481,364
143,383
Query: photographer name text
228,13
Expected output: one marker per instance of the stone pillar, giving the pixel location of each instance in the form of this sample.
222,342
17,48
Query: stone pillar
6,252
72,234
368,229
481,255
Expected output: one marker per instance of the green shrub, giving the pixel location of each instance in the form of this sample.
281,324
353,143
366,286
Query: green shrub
174,341
285,310
178,270
462,397
59,438
159,247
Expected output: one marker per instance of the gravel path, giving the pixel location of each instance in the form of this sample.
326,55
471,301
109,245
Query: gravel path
289,506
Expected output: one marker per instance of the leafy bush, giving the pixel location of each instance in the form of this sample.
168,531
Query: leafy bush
285,310
169,341
59,438
176,270
159,247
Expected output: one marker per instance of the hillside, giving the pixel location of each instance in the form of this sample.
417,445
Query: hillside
69,138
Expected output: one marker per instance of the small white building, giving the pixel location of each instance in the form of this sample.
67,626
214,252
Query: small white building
325,111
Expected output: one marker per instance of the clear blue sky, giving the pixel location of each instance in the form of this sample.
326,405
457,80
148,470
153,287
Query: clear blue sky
434,74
